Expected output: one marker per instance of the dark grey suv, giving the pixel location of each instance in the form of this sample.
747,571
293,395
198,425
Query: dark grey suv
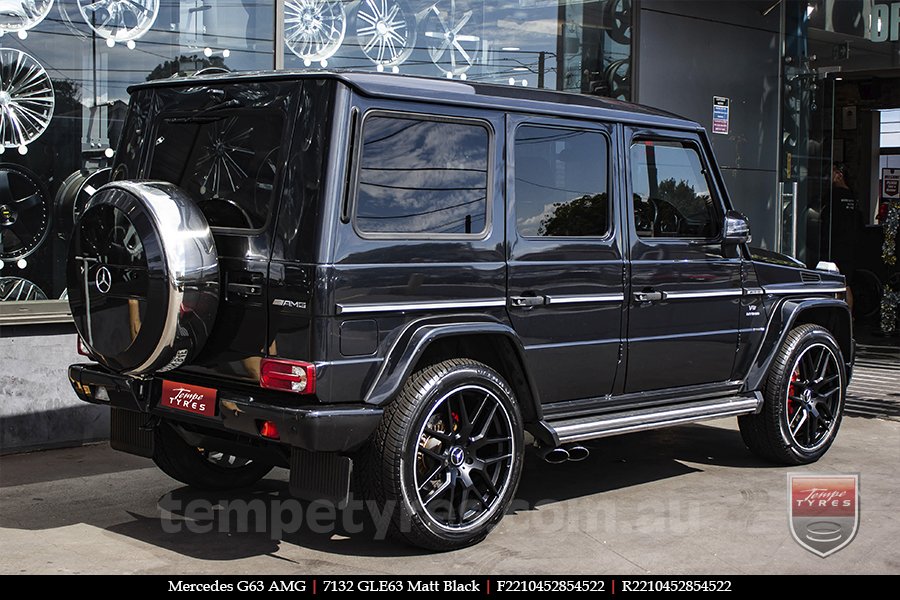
388,284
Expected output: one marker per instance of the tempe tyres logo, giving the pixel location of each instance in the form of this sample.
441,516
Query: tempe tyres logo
823,511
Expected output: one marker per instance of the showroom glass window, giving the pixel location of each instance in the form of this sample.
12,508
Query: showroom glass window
81,62
575,45
66,66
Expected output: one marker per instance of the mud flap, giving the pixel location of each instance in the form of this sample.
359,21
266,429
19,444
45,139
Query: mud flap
130,432
320,476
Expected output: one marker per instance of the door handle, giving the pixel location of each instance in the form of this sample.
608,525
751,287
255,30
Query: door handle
527,301
245,289
649,296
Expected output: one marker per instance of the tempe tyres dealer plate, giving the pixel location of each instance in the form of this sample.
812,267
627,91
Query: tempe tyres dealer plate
189,398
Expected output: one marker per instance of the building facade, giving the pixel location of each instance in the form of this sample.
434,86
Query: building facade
776,82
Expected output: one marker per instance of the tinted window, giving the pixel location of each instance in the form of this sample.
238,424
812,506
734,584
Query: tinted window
671,192
228,164
422,177
561,182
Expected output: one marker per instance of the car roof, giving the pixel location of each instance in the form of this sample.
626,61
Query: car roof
456,92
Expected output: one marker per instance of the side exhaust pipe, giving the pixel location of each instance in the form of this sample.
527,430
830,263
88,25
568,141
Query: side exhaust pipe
578,453
554,456
561,454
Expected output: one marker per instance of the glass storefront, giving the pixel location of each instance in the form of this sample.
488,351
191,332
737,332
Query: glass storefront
65,66
575,45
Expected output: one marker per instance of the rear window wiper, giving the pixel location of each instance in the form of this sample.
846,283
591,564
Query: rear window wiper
204,115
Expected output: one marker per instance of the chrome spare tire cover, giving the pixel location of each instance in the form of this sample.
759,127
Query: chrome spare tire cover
143,277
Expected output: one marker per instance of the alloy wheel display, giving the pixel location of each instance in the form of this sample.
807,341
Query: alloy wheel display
26,99
14,289
24,212
451,45
119,20
314,29
23,14
386,31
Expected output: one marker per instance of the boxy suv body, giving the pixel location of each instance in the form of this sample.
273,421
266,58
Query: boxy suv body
383,283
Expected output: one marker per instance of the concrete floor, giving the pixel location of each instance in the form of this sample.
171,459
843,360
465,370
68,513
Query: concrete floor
684,500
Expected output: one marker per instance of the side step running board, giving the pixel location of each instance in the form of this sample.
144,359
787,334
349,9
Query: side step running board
596,426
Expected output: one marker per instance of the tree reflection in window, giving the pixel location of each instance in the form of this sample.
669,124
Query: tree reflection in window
671,193
561,182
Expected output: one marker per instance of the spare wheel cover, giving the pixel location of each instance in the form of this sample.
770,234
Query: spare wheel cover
143,277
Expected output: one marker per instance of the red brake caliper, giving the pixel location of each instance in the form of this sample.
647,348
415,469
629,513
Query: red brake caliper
791,403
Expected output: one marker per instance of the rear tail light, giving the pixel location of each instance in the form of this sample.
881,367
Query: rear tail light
82,348
268,429
288,376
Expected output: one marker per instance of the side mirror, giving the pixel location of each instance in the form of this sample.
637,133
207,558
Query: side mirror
735,228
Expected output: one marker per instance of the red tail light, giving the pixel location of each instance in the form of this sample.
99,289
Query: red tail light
268,429
288,376
81,347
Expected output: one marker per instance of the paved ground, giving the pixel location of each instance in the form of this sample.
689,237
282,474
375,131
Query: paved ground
875,387
686,500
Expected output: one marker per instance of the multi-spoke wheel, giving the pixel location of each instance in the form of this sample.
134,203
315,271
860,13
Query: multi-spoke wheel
24,14
804,399
314,29
386,30
201,468
26,99
447,458
119,20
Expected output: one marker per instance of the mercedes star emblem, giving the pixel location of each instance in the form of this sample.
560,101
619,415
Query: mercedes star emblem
103,280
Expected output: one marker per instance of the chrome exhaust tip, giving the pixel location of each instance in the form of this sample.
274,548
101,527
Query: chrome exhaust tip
578,453
554,456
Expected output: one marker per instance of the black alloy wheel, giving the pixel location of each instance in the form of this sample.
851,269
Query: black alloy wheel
464,459
447,457
804,396
813,397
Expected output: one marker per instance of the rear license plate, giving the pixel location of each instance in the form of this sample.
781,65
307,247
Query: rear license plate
189,398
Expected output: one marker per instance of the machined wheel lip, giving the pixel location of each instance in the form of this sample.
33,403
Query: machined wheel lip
821,439
508,463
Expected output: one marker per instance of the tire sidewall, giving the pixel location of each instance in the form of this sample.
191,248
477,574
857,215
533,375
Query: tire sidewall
470,374
780,388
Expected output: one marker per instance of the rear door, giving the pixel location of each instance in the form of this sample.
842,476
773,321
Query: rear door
225,144
565,258
685,291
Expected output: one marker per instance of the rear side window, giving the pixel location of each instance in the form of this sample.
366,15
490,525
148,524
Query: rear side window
561,182
422,177
670,191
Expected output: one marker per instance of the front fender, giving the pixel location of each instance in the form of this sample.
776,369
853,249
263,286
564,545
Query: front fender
408,347
831,313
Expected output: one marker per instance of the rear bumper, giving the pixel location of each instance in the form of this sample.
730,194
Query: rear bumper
317,428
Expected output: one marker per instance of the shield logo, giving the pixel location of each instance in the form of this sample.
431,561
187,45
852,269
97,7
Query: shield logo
823,511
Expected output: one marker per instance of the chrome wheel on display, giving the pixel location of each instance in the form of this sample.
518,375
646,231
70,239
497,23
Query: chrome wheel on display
452,46
464,460
24,212
23,15
119,20
813,397
386,31
26,99
314,29
14,289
